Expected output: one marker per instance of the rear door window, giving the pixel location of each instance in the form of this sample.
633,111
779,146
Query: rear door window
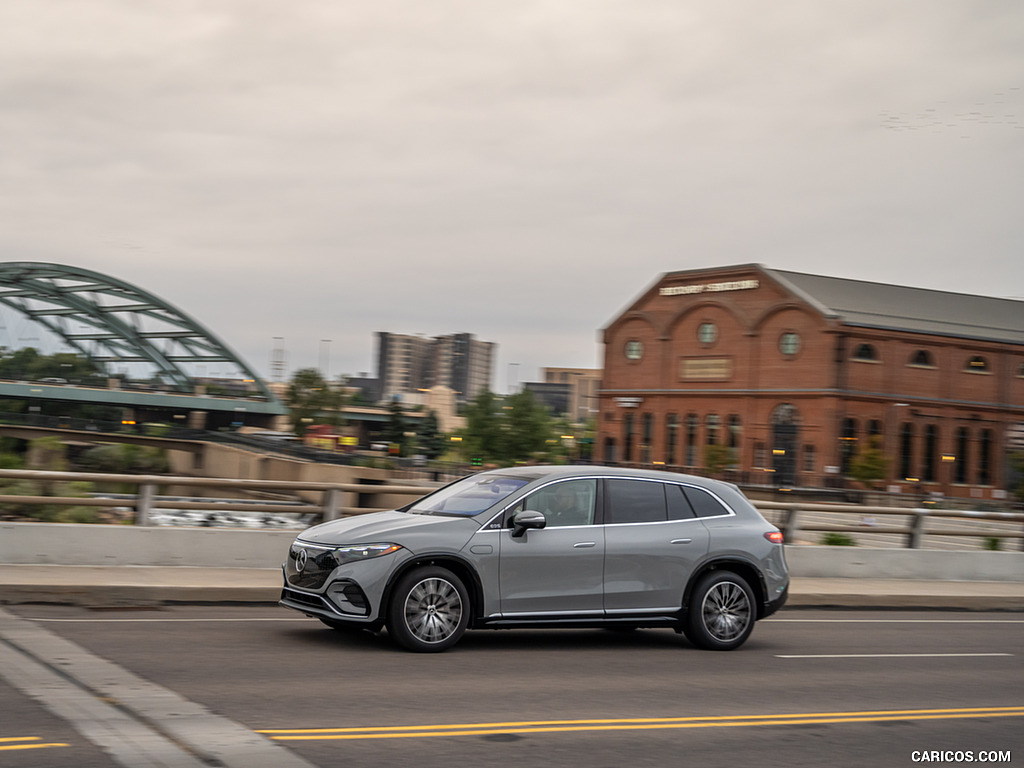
634,501
678,506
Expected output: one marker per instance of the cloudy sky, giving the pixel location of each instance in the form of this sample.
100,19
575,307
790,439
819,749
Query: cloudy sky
324,169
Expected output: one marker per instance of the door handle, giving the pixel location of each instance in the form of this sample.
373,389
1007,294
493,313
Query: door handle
584,544
681,541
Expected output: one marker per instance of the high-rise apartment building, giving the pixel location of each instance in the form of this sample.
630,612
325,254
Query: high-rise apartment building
412,363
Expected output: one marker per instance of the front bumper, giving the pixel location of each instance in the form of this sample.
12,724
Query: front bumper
352,593
341,600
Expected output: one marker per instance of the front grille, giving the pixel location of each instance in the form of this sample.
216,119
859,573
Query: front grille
319,564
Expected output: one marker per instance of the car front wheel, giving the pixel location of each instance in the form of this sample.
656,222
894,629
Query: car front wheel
429,610
722,612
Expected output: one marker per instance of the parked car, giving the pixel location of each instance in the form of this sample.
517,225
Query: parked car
547,547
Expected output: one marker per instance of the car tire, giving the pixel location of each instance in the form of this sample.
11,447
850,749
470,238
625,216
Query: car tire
429,610
722,612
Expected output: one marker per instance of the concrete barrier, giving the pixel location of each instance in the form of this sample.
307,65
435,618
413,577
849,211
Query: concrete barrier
114,545
919,564
64,544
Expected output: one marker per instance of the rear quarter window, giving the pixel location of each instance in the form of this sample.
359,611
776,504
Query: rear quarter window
704,504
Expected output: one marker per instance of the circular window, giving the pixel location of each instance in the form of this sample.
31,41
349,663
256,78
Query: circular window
707,333
789,343
634,349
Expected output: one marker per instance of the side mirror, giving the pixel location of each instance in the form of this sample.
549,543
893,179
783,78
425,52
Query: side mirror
525,520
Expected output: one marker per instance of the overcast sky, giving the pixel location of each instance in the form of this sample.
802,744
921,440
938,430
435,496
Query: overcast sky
325,169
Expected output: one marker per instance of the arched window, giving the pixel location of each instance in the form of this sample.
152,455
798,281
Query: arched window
712,424
962,456
985,458
671,438
809,458
922,358
691,439
931,453
907,450
647,433
734,431
609,450
848,444
865,352
976,364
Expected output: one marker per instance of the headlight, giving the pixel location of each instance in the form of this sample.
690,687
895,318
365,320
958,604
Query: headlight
356,552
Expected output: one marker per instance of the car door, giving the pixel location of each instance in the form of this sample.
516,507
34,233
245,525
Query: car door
653,541
557,569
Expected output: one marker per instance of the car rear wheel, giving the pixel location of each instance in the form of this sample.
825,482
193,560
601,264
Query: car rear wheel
429,610
722,612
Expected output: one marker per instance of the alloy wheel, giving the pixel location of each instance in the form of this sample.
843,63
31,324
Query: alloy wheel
433,610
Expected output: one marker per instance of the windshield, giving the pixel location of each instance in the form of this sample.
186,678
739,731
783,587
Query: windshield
467,497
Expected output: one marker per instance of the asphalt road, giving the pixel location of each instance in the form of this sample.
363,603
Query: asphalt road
253,686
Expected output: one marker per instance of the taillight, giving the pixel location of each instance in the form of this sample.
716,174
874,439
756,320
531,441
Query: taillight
775,537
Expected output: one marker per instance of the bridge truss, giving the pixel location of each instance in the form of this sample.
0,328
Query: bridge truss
114,323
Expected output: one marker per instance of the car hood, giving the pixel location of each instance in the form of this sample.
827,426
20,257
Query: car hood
411,531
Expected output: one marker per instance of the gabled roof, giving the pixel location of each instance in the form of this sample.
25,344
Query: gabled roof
919,310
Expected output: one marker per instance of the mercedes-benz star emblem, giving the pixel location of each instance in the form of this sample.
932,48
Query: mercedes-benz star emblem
300,560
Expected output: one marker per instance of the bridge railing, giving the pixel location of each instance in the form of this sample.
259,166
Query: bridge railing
795,519
336,499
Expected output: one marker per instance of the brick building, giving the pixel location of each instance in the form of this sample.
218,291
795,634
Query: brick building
795,373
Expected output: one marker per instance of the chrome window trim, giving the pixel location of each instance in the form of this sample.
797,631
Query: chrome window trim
658,522
729,511
534,490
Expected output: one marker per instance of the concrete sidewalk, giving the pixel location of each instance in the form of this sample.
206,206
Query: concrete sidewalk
111,586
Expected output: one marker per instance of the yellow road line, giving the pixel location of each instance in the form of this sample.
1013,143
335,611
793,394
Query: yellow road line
12,747
565,726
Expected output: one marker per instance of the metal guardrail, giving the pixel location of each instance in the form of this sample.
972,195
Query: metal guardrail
337,499
914,524
343,499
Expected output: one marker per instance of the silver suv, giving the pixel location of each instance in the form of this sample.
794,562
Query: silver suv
547,547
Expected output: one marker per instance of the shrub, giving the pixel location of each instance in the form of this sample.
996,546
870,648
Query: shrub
837,539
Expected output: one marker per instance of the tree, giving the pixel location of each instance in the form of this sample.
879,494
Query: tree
869,465
526,427
483,430
431,440
28,364
515,429
311,399
48,454
717,457
394,431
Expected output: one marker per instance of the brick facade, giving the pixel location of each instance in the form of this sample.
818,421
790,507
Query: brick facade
744,358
